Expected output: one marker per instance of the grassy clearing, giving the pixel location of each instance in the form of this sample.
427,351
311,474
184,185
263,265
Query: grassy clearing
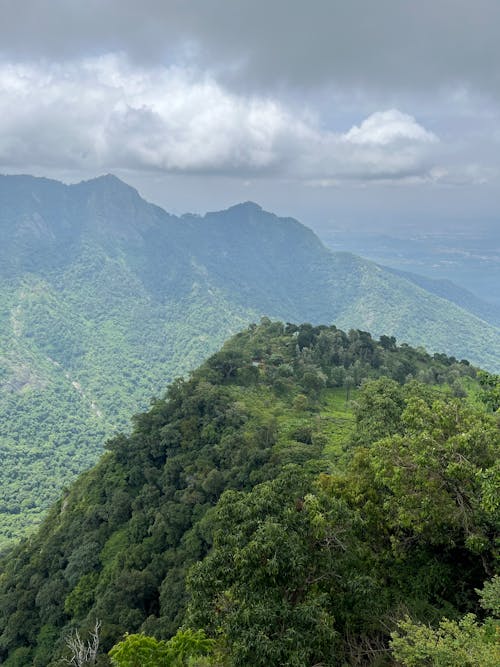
325,425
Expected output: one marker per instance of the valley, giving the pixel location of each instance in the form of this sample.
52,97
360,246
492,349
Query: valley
105,299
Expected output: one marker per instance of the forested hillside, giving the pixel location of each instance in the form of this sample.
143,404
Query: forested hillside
305,495
485,310
104,299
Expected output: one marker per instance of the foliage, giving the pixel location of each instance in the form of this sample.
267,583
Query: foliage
139,650
292,502
465,643
462,643
432,474
490,596
490,385
104,299
277,551
188,644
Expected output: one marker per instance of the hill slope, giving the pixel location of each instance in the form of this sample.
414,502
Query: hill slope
469,258
489,312
292,568
104,299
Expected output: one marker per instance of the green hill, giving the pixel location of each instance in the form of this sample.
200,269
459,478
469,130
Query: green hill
105,298
306,525
489,312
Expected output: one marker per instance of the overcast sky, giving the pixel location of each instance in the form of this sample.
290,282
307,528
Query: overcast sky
361,112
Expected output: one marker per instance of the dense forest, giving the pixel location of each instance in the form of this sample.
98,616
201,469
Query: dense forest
306,497
105,299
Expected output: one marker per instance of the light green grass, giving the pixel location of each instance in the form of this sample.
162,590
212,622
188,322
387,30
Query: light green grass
330,419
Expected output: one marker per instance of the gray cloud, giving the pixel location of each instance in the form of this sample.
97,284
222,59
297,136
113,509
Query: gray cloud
104,113
249,96
385,44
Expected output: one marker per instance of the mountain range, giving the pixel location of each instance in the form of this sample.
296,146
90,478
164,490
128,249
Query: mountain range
106,298
468,257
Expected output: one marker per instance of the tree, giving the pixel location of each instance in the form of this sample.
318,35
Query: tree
272,583
83,653
464,643
432,475
490,394
139,650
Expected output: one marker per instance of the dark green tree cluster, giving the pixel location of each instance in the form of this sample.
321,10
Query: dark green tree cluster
308,570
256,507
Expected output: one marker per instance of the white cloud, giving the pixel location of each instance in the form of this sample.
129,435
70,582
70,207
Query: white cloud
388,127
104,114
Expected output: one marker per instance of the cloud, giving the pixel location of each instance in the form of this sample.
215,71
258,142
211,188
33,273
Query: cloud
217,87
388,127
383,45
104,113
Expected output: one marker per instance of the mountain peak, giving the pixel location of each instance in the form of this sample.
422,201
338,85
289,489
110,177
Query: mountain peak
111,178
108,181
249,206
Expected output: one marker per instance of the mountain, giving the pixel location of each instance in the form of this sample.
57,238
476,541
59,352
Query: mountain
105,299
257,504
446,289
468,257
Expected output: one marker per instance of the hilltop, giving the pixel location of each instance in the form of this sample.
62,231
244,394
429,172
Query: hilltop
259,504
106,298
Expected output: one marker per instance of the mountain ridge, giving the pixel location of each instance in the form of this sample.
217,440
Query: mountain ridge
258,494
450,291
106,298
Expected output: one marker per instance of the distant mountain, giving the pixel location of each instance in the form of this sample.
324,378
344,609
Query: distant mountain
470,258
489,312
105,298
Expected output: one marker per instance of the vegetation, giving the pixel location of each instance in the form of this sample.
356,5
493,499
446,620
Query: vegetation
104,299
306,496
184,648
462,643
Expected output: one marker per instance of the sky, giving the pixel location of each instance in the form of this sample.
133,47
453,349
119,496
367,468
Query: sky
361,114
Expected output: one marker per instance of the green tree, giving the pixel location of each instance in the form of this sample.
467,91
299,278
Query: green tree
139,650
432,475
275,577
464,643
490,385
